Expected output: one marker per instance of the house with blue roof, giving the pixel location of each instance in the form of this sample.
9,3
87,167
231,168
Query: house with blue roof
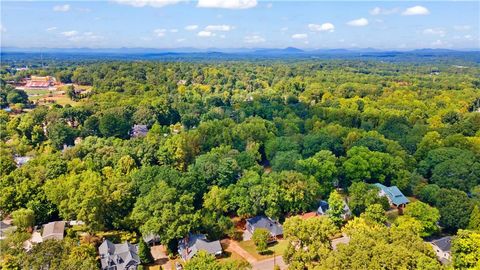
394,195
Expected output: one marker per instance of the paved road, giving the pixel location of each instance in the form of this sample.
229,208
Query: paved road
268,264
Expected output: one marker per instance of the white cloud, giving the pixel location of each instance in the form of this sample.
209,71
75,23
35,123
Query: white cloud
180,40
382,11
2,28
437,43
254,39
222,27
173,30
416,10
61,8
434,31
358,22
269,5
76,36
468,37
50,29
376,11
160,32
299,36
151,3
322,27
191,27
229,4
462,27
283,29
70,33
85,37
205,34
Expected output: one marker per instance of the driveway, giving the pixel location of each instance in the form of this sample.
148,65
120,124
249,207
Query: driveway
268,264
247,235
233,246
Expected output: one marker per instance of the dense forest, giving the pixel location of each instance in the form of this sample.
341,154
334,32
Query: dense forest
234,139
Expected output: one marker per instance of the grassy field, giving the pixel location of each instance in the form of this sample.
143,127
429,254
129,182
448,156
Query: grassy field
40,92
46,96
278,248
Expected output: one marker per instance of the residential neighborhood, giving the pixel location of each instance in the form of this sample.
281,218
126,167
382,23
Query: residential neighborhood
239,135
121,255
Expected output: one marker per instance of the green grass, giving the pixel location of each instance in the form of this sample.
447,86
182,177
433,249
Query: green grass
38,92
278,248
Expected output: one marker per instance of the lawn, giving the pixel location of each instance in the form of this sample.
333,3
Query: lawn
39,92
59,99
229,257
278,248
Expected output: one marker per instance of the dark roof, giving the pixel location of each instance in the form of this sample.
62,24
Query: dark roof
118,256
444,243
322,208
191,245
258,222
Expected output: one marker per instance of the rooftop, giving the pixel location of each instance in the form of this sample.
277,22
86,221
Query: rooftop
444,243
266,223
394,194
53,230
192,244
118,256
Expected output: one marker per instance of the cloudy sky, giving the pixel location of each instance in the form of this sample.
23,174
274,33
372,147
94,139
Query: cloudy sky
240,24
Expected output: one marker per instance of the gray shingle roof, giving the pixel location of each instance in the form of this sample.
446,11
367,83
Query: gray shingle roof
139,131
191,245
258,222
118,256
444,243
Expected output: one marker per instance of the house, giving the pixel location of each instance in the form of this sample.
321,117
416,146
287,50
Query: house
118,256
5,228
139,131
151,239
442,248
263,222
323,208
53,230
394,195
193,243
309,215
20,161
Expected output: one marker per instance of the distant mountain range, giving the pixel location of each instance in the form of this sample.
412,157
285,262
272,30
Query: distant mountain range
288,50
13,55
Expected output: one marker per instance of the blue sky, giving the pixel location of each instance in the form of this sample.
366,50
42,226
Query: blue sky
240,24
